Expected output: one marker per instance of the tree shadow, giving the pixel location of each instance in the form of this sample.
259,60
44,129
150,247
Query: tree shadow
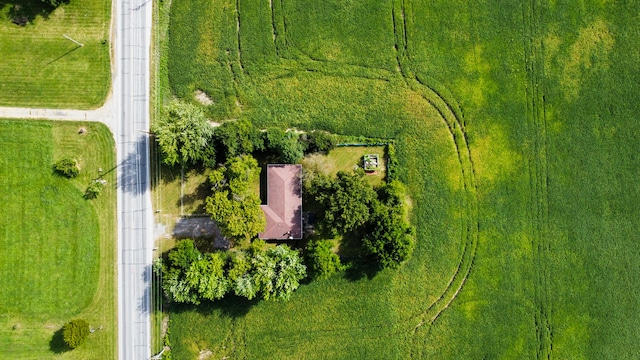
57,344
361,269
201,192
23,12
131,180
231,306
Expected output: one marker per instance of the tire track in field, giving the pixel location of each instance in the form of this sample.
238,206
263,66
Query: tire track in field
237,12
536,161
450,112
442,101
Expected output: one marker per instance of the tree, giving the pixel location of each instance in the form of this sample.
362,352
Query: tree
67,167
278,272
235,138
208,277
75,332
175,284
346,202
55,3
232,205
320,259
238,218
285,144
94,189
389,238
321,141
183,134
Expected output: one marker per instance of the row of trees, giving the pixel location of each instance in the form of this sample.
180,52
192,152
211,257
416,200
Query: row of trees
375,216
185,136
189,276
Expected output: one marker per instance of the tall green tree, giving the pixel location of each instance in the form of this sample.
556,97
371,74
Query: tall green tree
278,272
320,259
285,144
346,201
388,237
236,138
232,205
183,134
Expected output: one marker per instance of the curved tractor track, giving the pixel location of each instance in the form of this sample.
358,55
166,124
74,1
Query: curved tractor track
441,100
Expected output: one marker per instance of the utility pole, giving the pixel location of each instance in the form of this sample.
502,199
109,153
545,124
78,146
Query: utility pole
77,43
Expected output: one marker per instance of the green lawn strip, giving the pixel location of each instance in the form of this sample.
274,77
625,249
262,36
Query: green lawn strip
41,68
59,258
346,158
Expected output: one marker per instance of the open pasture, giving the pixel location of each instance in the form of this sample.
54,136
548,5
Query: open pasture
58,258
42,68
515,124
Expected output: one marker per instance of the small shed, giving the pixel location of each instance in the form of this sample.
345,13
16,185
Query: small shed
371,162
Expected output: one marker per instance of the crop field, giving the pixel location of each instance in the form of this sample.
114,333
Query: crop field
516,128
41,68
58,254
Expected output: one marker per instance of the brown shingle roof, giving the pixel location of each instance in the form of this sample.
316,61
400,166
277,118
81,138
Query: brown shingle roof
284,202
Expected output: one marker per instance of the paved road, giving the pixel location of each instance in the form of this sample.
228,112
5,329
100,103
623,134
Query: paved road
135,218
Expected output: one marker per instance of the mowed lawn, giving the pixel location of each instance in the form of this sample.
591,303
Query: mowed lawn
58,249
41,68
532,194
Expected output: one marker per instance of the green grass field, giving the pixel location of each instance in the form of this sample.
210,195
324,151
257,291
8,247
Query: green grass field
41,68
515,124
58,260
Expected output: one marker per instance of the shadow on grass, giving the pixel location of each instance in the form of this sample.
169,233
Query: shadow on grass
23,12
201,193
57,344
230,306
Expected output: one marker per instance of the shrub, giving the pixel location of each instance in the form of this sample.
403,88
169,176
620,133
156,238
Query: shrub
392,163
321,141
75,332
94,189
320,259
67,167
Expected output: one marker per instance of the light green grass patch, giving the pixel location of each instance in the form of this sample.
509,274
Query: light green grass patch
41,68
58,258
348,158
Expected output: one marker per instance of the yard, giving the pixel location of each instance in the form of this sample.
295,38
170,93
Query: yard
42,68
59,258
515,125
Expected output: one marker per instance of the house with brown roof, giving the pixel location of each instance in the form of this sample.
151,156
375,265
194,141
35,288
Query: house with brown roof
284,202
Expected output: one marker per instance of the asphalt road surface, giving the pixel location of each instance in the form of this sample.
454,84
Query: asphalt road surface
135,218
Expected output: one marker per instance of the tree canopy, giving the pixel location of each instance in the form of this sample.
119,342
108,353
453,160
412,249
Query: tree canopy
75,332
183,134
232,205
190,277
285,144
321,261
236,138
346,201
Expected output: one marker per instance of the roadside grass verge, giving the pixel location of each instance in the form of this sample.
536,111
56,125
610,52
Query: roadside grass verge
59,256
41,68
